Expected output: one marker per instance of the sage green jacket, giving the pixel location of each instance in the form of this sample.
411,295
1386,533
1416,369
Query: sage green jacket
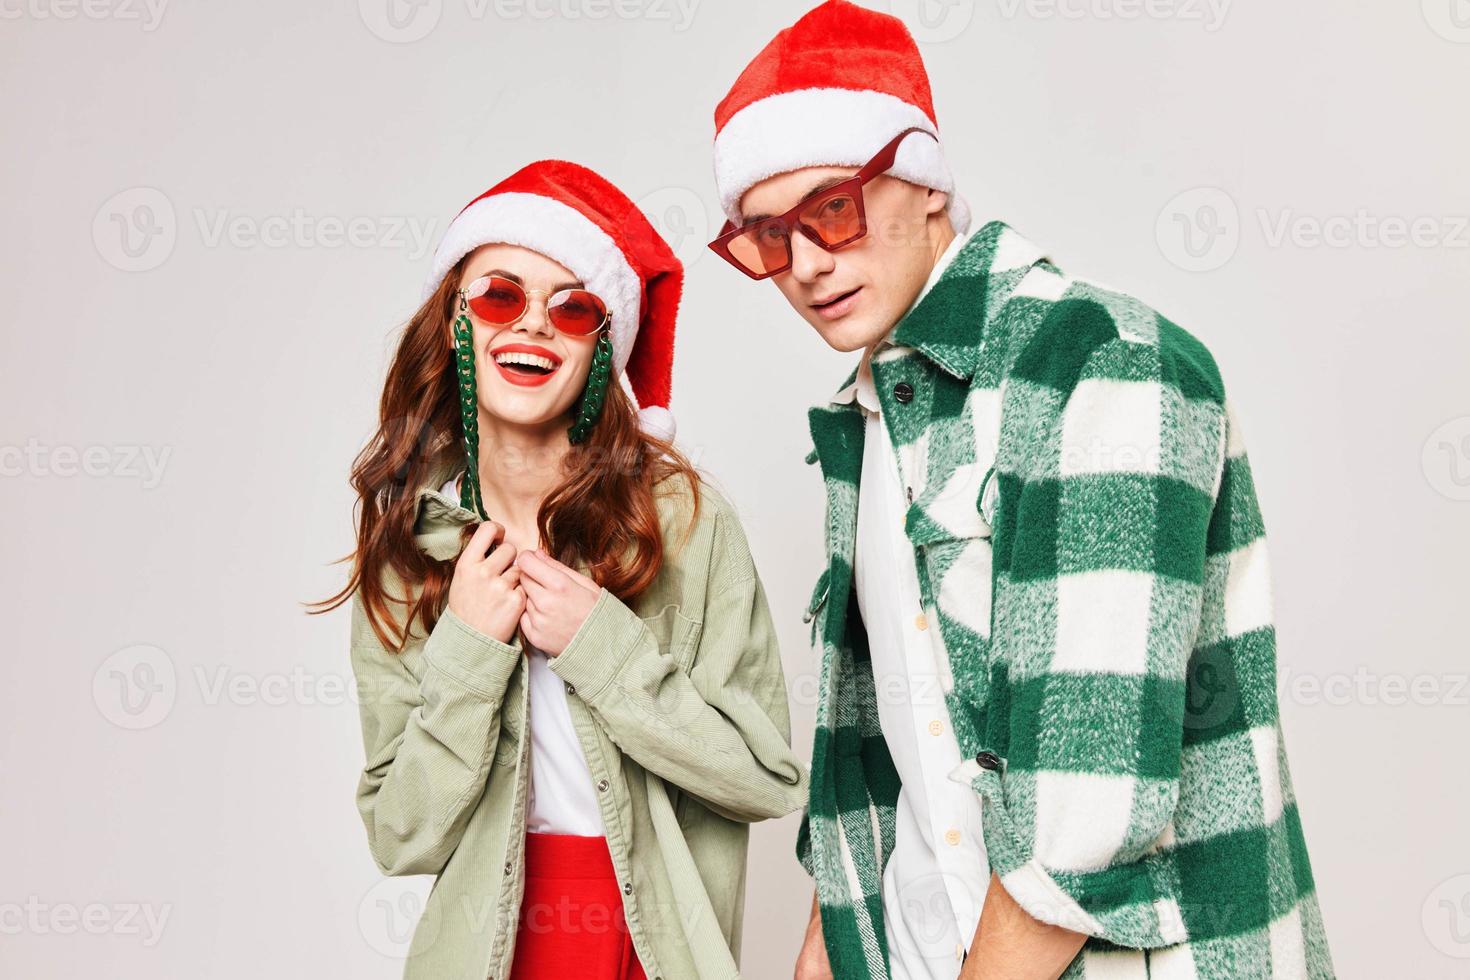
680,706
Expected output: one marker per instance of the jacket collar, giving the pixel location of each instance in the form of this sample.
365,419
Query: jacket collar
947,325
438,517
859,387
947,321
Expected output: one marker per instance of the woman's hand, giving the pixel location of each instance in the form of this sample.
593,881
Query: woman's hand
558,601
486,591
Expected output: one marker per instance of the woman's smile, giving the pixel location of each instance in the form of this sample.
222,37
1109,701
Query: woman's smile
527,365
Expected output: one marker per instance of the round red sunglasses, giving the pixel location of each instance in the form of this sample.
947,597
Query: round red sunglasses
832,218
502,302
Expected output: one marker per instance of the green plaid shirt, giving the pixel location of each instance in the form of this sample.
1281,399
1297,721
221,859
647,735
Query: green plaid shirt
1088,539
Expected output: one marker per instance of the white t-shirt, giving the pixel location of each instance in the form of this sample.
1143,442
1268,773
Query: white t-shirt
563,800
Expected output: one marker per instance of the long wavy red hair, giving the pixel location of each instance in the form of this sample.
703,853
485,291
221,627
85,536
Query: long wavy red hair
603,513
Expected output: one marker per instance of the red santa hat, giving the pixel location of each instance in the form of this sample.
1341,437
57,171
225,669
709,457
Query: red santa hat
831,90
579,219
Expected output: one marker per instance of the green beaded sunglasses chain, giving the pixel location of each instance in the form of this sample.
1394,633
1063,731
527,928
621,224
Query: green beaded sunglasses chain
588,408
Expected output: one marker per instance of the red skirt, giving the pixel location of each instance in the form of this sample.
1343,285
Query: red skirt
571,923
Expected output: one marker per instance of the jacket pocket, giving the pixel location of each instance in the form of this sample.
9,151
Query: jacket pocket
677,635
956,561
962,508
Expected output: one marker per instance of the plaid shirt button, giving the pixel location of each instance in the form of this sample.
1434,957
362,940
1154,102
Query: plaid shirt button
988,760
904,392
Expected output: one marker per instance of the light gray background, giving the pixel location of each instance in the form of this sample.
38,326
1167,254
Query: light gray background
176,741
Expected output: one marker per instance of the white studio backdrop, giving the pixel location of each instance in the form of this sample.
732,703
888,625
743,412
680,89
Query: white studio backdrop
216,215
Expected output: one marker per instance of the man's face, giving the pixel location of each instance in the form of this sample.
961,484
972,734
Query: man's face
855,295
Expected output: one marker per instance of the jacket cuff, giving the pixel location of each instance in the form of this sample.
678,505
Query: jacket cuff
462,653
600,647
1122,904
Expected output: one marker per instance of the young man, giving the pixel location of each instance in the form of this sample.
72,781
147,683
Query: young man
1047,738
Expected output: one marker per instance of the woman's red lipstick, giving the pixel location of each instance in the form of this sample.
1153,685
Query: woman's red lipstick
527,375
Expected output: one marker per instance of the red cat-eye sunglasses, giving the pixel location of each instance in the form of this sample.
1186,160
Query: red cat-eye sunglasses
832,218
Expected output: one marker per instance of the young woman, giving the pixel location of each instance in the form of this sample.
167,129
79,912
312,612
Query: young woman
572,699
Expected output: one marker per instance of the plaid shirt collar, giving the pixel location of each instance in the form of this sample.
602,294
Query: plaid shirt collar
928,325
862,390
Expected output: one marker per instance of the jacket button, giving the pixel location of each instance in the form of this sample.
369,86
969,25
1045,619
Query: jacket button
627,888
571,689
988,760
507,867
602,786
904,392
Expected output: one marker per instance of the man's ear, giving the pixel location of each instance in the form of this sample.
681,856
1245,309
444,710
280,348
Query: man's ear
936,202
